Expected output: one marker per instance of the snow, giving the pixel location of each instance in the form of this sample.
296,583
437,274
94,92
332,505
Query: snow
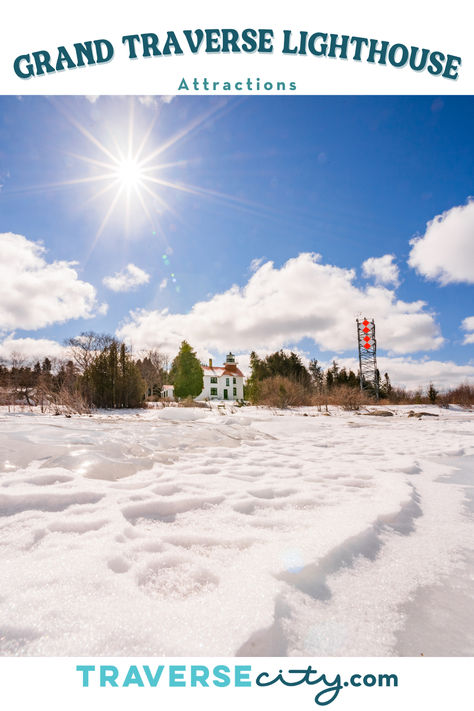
244,532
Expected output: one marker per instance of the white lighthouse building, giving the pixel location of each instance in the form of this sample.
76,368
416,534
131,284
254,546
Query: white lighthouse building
222,382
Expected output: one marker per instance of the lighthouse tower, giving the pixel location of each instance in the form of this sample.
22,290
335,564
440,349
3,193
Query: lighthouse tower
230,363
368,371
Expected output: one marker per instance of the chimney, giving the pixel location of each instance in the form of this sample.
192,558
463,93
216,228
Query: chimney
210,362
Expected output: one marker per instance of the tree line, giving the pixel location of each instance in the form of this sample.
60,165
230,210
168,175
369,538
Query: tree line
281,379
102,372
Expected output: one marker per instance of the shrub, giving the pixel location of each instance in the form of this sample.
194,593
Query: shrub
463,395
65,402
350,398
282,392
344,396
189,402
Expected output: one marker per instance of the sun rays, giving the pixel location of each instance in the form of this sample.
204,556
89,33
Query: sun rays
129,170
123,173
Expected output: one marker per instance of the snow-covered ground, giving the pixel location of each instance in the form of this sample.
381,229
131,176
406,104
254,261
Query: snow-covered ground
254,532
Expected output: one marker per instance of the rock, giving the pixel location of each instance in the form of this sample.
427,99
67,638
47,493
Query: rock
380,413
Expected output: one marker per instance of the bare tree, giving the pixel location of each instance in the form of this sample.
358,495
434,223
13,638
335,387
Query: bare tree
153,367
84,348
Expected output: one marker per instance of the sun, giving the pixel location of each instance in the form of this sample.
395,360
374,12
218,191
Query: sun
124,173
127,176
130,174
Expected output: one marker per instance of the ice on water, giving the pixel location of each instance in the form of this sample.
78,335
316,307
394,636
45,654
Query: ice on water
185,532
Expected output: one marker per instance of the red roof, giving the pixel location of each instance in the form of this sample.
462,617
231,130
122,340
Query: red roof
235,371
219,371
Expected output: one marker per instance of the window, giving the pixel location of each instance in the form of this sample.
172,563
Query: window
235,381
214,391
227,381
235,392
213,380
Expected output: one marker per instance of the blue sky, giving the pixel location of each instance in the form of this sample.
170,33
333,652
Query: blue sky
237,183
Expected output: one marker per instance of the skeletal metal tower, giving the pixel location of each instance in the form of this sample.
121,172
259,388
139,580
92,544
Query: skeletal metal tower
368,372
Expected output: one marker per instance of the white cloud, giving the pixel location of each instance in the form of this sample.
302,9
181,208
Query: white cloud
255,264
31,349
154,101
382,269
279,307
128,279
414,373
446,251
148,101
163,284
468,325
35,293
4,175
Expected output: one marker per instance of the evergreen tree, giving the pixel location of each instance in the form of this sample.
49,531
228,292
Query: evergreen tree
186,373
46,366
130,386
342,377
112,379
46,375
353,380
432,393
279,363
385,386
251,388
329,379
317,374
